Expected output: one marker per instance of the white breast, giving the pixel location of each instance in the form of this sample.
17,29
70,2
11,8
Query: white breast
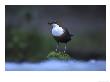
57,31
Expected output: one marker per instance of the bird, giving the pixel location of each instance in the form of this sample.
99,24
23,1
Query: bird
60,34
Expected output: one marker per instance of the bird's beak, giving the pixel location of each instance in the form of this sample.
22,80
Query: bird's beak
49,23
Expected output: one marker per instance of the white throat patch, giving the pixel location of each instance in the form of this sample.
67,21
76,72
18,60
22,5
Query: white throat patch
56,30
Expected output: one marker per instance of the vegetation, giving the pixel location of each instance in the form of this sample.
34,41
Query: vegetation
31,46
58,55
27,36
24,45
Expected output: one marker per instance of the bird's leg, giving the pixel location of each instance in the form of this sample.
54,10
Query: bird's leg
57,47
65,48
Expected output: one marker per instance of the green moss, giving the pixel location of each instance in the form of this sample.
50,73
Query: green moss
58,55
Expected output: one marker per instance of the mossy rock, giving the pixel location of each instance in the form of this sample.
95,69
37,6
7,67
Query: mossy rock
58,55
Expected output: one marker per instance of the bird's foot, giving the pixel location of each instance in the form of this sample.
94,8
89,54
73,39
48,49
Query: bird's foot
64,51
56,50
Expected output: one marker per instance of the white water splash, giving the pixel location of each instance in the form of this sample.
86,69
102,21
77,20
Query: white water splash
57,65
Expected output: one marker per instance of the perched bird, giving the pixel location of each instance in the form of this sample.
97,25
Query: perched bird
60,34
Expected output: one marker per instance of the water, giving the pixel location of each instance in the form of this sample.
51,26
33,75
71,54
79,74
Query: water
58,65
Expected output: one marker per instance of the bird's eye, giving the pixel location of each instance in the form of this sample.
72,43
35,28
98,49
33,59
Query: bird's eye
55,22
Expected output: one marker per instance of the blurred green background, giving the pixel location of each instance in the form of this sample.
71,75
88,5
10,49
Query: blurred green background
28,37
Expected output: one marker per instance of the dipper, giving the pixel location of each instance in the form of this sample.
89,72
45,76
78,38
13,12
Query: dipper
60,34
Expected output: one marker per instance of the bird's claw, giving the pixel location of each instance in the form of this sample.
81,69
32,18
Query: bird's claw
56,50
64,51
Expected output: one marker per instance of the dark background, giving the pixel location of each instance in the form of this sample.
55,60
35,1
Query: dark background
28,37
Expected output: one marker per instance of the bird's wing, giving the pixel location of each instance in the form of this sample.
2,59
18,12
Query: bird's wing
68,32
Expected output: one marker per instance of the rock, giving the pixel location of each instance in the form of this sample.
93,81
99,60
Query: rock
58,55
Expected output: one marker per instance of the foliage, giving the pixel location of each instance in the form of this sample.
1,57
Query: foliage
22,45
30,45
58,55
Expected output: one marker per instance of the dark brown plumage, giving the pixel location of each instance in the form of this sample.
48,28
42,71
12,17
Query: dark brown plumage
64,38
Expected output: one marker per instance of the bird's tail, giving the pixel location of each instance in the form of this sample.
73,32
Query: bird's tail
71,35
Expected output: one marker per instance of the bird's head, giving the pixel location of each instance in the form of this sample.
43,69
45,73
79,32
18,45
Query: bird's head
52,22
